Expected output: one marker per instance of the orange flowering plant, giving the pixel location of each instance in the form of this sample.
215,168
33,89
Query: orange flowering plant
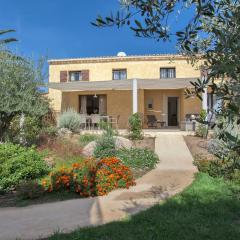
61,179
84,177
112,174
90,178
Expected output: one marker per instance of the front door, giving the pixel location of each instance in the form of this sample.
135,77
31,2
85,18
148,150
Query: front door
172,111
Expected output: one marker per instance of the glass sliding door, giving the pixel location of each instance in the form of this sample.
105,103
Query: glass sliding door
93,104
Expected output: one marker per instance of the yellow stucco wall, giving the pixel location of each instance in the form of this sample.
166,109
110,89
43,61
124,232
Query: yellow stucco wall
120,102
102,71
55,97
190,106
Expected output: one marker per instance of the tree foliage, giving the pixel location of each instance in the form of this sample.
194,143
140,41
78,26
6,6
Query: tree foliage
153,18
6,40
211,35
19,82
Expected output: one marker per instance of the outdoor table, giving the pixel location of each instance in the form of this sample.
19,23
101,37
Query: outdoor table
89,120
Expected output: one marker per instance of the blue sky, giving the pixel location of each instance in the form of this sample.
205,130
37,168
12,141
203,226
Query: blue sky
62,29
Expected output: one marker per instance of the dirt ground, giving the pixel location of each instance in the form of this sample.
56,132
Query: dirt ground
198,147
147,142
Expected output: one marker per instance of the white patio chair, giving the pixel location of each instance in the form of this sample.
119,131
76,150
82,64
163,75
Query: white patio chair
83,121
114,121
95,121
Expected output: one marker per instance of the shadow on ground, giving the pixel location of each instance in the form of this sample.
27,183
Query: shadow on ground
209,209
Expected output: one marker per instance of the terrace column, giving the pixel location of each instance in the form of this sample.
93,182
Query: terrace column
135,95
204,100
204,95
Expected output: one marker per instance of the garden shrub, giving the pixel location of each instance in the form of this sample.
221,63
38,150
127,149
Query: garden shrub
19,163
202,128
235,176
112,174
50,131
108,128
29,134
70,119
215,147
135,127
228,168
137,158
202,163
47,134
226,150
105,145
84,139
29,190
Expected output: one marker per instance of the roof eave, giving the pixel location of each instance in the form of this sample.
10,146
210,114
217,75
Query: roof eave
159,57
160,84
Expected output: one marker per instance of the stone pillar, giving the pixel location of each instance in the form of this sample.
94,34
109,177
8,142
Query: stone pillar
135,95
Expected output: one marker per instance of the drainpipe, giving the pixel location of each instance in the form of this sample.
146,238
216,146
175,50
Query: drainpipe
135,96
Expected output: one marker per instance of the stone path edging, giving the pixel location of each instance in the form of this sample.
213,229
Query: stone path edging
172,175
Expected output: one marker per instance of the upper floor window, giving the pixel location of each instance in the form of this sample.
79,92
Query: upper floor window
75,76
120,74
167,72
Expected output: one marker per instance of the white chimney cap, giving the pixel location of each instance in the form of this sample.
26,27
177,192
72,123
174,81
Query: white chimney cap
121,54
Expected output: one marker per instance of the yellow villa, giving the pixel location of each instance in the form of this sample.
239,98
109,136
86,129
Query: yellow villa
118,86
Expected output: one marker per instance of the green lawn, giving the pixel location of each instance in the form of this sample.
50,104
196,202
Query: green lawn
209,209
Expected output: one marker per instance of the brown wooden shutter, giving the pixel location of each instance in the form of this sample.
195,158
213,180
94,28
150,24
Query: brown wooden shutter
63,76
85,75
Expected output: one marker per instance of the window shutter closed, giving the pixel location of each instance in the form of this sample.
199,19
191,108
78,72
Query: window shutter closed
85,75
63,76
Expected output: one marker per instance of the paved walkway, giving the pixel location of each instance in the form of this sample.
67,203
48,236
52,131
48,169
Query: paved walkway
171,176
